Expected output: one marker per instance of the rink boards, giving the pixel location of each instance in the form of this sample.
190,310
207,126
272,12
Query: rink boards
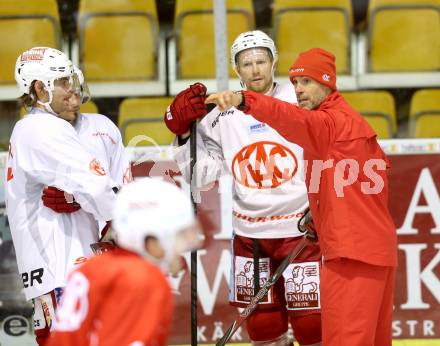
415,207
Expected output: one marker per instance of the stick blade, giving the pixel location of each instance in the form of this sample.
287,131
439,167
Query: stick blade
100,247
228,334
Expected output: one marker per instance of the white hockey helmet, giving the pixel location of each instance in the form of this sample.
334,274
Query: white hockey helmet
41,63
84,91
252,39
152,207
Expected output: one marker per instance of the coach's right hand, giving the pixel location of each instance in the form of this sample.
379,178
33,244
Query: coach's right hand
187,106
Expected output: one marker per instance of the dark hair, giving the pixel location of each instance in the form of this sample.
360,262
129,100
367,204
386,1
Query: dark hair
29,100
150,237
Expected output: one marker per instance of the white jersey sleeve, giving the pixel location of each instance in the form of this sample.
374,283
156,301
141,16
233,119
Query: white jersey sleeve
48,152
102,139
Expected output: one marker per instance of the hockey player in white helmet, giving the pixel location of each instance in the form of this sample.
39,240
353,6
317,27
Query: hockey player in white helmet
269,192
101,138
122,297
46,79
254,39
45,150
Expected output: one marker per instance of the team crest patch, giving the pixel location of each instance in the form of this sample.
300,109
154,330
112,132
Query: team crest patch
244,279
302,286
96,168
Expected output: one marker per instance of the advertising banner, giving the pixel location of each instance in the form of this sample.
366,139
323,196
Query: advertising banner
415,207
414,201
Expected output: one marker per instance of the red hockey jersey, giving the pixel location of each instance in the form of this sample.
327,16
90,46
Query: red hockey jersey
117,298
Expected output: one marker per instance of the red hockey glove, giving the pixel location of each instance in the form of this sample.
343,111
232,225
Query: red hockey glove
307,226
187,106
59,201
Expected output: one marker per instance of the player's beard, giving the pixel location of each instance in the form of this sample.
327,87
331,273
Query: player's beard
261,87
306,104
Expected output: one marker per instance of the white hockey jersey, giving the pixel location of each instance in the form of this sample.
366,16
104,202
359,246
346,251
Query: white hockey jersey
269,191
102,139
46,151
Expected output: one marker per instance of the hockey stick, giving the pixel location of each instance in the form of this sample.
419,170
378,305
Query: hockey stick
262,292
105,242
100,247
193,272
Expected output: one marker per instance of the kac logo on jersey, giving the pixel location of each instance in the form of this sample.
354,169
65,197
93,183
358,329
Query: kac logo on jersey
96,168
264,165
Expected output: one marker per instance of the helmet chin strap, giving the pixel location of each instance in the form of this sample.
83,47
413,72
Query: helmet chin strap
46,105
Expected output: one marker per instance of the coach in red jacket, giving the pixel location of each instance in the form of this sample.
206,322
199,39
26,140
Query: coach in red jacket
348,194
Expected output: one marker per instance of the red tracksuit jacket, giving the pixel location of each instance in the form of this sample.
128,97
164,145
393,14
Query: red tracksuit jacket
352,221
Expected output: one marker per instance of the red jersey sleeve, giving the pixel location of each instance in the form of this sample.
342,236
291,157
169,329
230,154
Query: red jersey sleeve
312,130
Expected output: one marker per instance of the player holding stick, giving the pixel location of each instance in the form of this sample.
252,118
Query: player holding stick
269,195
348,193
